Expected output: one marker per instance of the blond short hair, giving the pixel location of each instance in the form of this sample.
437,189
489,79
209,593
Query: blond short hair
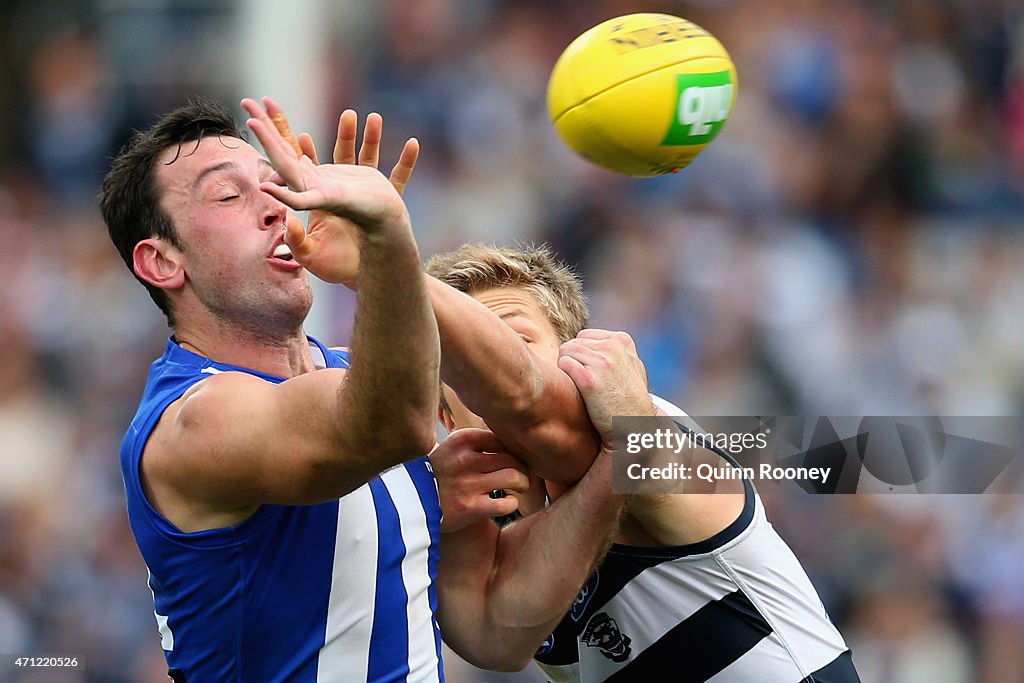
555,286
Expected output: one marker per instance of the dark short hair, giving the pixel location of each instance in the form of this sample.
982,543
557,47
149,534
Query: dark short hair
129,197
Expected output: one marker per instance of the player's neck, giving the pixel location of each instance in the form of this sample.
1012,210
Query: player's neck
285,355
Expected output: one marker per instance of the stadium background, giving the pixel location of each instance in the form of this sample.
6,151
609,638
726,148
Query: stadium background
851,245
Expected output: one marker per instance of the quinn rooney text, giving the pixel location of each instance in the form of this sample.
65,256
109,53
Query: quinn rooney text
710,473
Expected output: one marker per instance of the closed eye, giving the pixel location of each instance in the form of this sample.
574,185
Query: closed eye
228,199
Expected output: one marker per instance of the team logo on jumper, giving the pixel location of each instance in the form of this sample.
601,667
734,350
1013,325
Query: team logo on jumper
547,646
579,606
603,633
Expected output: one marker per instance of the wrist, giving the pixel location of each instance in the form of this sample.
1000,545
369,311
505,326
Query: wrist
389,228
394,253
393,243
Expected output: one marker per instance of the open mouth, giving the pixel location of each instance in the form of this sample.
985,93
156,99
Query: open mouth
282,257
283,252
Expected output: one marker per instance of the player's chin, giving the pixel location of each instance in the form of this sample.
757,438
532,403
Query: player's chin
294,291
298,302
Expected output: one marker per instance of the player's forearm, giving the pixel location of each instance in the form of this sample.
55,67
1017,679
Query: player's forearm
464,570
484,360
544,559
389,399
531,405
503,592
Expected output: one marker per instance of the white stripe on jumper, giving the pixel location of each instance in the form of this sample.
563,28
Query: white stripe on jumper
423,663
631,609
345,654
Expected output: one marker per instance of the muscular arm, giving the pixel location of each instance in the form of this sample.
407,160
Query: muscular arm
395,348
532,406
502,591
235,441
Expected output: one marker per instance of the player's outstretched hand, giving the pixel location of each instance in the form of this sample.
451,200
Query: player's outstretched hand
329,248
468,465
359,193
369,151
610,376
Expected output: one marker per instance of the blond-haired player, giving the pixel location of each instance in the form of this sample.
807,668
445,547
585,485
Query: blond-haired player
696,587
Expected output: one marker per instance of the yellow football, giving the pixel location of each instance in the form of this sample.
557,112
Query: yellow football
642,94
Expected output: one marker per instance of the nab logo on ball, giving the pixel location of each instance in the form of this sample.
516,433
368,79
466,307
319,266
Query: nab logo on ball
703,107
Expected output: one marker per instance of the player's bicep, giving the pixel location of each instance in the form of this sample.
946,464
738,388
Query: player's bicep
239,440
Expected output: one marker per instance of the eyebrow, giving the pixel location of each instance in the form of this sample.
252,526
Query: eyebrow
227,166
514,313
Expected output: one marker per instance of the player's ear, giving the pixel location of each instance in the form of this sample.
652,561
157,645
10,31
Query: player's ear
159,263
444,408
445,416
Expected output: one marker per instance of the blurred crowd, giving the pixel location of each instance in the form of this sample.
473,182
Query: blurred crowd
852,244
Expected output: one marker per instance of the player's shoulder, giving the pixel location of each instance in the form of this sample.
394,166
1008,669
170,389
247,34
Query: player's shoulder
203,417
217,395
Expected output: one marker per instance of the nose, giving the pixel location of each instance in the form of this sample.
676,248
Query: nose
275,214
